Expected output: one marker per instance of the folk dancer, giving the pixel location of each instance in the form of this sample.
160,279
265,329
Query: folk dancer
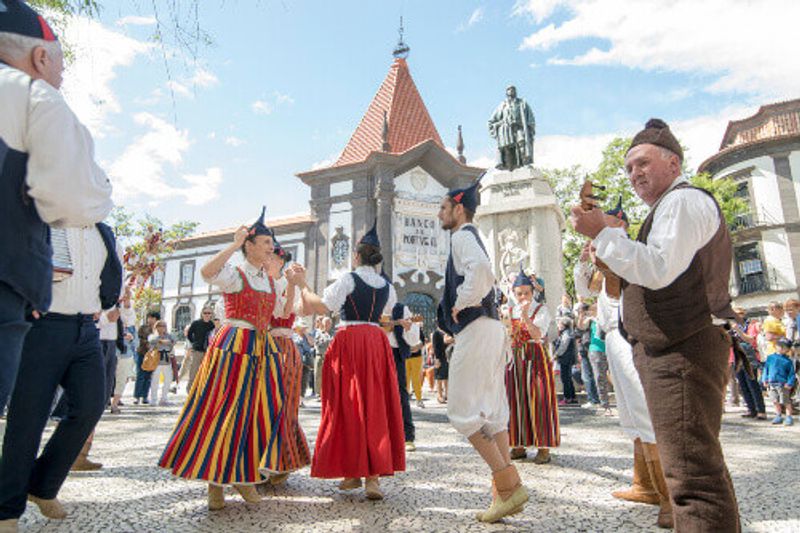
403,334
477,406
649,485
530,385
229,427
61,348
48,175
361,431
674,293
295,453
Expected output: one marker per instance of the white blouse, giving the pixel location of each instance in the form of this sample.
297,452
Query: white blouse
337,292
542,319
230,281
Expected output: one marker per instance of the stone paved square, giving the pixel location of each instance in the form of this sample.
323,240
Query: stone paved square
444,486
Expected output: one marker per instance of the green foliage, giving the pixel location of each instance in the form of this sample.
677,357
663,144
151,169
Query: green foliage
610,174
68,7
147,299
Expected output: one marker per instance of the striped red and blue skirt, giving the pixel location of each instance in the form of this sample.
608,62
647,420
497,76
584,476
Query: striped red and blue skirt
533,406
229,427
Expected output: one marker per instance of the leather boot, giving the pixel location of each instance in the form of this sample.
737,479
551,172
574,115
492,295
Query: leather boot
83,463
665,520
350,483
641,490
519,453
248,493
511,495
372,489
216,497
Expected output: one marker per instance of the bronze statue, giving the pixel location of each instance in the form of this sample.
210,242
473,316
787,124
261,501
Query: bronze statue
514,127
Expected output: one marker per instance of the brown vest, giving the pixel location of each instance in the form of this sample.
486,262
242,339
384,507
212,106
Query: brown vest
664,317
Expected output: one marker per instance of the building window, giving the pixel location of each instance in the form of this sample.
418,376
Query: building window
745,220
183,317
750,269
340,249
157,280
423,304
187,274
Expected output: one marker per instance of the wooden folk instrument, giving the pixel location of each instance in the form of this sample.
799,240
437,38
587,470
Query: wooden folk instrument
613,282
387,323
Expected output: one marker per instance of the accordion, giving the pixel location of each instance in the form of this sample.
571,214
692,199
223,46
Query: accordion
62,261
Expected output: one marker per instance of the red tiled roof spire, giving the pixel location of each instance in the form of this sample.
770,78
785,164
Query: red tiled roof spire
409,123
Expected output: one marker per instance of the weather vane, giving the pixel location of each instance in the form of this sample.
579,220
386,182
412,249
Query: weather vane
402,49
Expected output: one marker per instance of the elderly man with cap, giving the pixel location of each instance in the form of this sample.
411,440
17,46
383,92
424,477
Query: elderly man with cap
649,485
674,293
477,404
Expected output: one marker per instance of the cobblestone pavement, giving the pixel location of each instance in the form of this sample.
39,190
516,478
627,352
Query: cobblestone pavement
444,486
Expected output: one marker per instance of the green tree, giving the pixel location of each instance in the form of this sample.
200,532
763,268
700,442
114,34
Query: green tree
610,174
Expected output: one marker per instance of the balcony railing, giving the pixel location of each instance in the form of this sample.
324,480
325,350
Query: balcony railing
753,284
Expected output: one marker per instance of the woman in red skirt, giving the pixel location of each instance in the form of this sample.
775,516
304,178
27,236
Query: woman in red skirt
294,447
361,431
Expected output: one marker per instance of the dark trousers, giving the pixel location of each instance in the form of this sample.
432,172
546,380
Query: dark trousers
142,387
565,367
685,388
58,351
408,421
589,382
752,393
13,328
109,349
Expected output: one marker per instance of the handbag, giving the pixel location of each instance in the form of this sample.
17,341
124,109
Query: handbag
151,360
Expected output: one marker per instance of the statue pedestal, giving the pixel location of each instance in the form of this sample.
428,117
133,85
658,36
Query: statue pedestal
521,221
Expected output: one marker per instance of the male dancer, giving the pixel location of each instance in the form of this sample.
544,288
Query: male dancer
649,485
477,406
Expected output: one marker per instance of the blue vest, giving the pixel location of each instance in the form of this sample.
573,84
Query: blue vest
452,281
111,275
402,346
26,261
365,303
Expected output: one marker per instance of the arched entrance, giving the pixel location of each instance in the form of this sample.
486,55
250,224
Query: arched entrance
423,304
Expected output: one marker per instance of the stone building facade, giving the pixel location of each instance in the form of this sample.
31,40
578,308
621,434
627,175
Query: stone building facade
762,154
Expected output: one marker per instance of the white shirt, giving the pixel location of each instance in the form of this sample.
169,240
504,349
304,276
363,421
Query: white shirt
337,292
230,281
128,316
80,293
684,222
108,329
471,262
64,181
541,320
607,307
411,335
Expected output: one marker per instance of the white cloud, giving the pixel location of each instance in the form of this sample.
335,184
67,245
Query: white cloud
142,169
201,78
261,107
99,53
234,141
133,20
564,151
153,99
723,38
179,89
325,163
283,98
474,18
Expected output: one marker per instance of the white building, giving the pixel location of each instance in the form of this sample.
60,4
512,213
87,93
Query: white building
762,153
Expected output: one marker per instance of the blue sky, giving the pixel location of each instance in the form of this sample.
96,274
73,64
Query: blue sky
284,84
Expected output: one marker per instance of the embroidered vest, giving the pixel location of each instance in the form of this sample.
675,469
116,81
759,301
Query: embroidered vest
250,305
365,303
452,281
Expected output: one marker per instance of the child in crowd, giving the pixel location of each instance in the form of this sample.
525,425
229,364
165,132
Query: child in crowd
779,377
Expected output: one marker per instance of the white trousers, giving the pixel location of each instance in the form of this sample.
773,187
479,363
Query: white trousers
124,367
634,416
164,369
476,398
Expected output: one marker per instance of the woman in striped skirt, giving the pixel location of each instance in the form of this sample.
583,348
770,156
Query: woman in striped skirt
533,419
228,430
295,453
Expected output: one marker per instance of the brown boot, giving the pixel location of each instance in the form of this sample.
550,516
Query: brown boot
248,493
518,452
511,495
216,497
665,520
641,490
49,508
82,463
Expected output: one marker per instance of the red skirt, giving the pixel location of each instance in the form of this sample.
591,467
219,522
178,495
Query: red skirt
361,431
294,448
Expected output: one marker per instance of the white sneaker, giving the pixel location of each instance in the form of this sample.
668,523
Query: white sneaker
588,405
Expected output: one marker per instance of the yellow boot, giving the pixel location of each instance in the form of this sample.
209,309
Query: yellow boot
641,490
665,520
511,495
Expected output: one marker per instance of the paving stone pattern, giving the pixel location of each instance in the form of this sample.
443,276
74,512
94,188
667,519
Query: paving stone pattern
443,487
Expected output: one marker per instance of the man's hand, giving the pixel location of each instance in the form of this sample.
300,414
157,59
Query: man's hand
589,223
586,251
240,236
